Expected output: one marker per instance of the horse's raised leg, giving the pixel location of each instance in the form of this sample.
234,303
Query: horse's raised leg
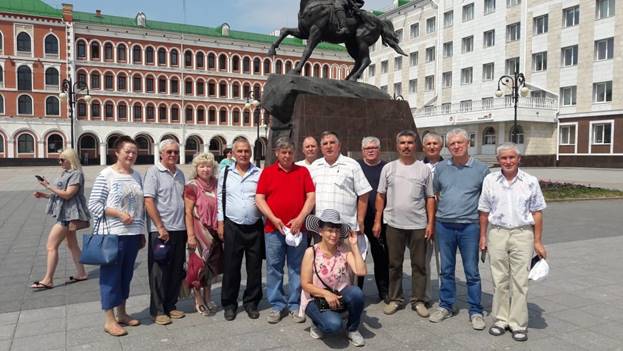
283,34
312,40
364,61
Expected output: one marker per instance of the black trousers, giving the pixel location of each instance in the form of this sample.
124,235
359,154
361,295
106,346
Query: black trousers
242,240
165,278
378,249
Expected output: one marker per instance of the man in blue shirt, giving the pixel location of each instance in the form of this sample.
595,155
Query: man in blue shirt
457,185
241,229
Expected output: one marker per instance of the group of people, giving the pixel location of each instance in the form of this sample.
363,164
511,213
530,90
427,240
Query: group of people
320,217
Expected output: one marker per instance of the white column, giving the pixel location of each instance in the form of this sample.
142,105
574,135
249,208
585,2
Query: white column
182,154
206,147
103,154
156,153
41,149
10,148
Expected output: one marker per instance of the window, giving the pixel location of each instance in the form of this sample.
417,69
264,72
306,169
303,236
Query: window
137,83
602,91
446,107
24,78
602,133
109,81
1,113
150,113
488,38
122,82
488,71
383,67
568,96
162,85
174,58
467,44
122,53
567,135
23,42
413,59
446,80
465,106
149,84
371,70
571,16
188,59
109,110
569,56
468,12
540,24
489,6
513,32
25,144
81,106
51,45
414,30
82,77
222,62
412,86
604,49
398,63
175,114
55,143
397,89
188,87
429,83
512,65
162,113
137,54
199,59
108,52
447,49
24,105
96,110
200,88
81,49
1,77
467,75
430,54
149,56
429,109
52,106
122,112
51,77
487,102
488,136
604,9
430,25
246,65
539,61
137,112
448,19
95,80
511,3
222,116
162,57
175,86
399,34
95,50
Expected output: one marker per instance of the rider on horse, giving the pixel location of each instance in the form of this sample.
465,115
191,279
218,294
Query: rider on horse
341,8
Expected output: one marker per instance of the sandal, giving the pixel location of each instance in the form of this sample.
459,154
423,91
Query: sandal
73,279
40,286
520,335
496,330
202,309
130,322
116,332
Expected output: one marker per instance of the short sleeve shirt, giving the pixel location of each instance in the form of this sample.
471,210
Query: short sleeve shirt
167,190
285,192
70,209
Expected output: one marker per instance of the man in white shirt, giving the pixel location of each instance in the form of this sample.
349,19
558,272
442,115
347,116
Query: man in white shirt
511,206
310,151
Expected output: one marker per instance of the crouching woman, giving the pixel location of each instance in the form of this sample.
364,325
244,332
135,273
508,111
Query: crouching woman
327,275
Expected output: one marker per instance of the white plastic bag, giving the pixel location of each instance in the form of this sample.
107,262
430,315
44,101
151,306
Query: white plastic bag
539,271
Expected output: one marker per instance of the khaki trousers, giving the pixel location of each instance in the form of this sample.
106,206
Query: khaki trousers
397,241
510,252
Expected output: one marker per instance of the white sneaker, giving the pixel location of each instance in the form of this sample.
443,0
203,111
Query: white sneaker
356,339
297,318
315,333
478,322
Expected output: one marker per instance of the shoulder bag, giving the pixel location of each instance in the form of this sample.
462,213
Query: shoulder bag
100,249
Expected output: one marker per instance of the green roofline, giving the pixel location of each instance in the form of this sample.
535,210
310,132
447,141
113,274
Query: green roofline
86,17
30,7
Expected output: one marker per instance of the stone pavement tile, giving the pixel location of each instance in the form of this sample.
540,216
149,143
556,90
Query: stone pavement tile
105,345
608,312
548,325
77,309
87,320
42,300
88,335
6,331
551,343
5,345
50,313
9,318
147,342
579,318
42,327
52,341
544,304
591,340
611,330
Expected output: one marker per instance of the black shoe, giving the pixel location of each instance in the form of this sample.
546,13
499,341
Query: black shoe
230,314
252,312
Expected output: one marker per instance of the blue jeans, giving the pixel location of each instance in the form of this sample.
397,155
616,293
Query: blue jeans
466,237
330,322
276,253
115,278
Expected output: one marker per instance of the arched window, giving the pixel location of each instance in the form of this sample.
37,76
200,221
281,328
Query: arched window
175,86
246,65
54,143
96,80
122,112
81,106
1,105
211,61
222,89
162,85
257,66
108,52
235,90
162,57
122,55
51,77
201,115
149,84
188,59
212,115
150,112
51,45
137,55
174,58
307,70
95,50
188,87
81,49
200,88
23,42
222,117
267,67
52,106
1,49
1,144
109,81
211,88
137,83
149,56
246,90
235,117
246,118
257,91
1,76
288,66
162,113
235,64
175,114
189,114
488,136
137,112
279,67
199,59
325,71
222,62
109,110
96,110
24,105
25,144
82,77
24,78
122,82
519,135
317,71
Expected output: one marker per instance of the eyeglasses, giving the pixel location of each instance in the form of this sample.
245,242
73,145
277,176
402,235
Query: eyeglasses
173,152
371,148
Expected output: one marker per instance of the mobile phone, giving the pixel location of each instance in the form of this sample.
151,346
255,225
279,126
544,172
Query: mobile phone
39,178
483,255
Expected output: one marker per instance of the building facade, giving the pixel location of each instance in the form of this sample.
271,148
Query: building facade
148,79
458,51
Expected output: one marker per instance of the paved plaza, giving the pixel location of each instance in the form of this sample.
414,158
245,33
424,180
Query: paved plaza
578,307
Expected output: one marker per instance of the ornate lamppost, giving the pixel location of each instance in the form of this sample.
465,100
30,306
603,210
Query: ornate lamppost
517,84
69,88
252,103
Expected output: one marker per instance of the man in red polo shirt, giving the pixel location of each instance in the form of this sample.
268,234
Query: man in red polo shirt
285,196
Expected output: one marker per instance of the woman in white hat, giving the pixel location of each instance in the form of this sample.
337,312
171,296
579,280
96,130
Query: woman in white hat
327,275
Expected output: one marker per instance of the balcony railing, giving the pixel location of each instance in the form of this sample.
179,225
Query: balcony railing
486,105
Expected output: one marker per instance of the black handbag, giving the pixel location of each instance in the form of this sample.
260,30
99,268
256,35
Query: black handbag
321,302
100,249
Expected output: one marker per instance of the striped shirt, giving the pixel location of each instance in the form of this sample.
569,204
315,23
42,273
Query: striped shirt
123,192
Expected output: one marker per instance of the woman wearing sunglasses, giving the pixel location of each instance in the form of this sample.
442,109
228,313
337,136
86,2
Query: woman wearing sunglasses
66,203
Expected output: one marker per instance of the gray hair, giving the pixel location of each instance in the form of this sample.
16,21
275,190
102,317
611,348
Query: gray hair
432,135
327,133
284,143
370,140
240,139
505,147
204,158
167,141
406,132
457,131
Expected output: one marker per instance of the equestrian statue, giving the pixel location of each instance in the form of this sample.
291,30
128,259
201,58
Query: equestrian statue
339,21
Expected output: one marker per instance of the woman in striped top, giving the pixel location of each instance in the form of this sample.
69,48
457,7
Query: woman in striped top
117,201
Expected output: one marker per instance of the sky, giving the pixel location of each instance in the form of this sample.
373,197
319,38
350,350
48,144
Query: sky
259,16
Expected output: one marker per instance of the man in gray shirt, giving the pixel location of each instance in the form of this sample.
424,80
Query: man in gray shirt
164,202
405,199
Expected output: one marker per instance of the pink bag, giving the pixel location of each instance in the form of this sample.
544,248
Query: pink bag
194,269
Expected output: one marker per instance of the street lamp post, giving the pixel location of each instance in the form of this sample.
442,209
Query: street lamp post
251,102
517,83
69,88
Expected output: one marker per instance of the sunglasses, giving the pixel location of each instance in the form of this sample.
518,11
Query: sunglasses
173,152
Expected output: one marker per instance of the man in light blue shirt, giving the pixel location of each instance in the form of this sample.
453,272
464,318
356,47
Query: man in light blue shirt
241,229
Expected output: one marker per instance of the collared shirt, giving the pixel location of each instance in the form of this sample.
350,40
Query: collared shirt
303,163
432,165
167,189
511,204
240,195
285,192
459,188
338,186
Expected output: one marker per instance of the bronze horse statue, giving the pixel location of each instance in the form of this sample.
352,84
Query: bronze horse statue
316,23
